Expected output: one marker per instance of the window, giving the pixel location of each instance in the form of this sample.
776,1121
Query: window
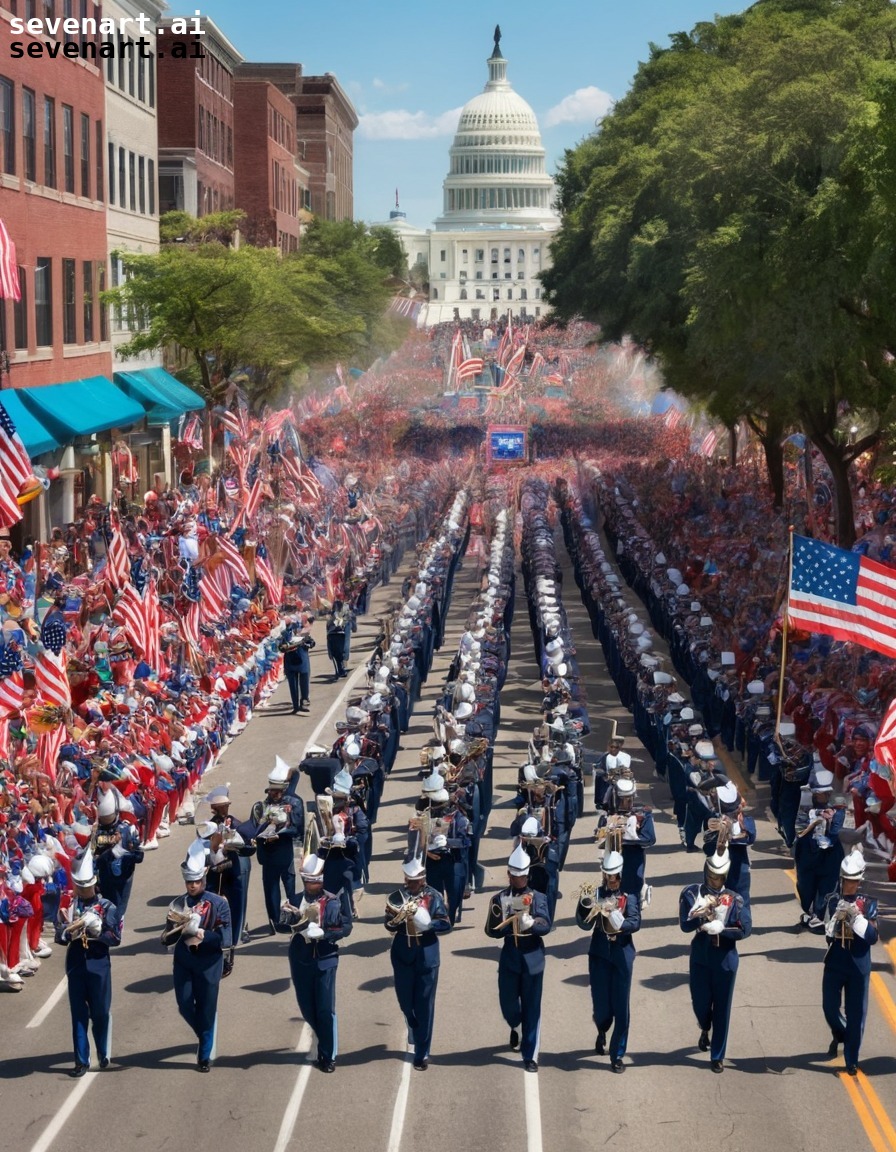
68,147
496,293
494,255
29,134
122,185
521,275
463,293
201,128
435,293
87,282
229,147
141,169
521,256
463,255
43,301
480,294
463,275
479,275
509,293
151,69
474,313
69,328
442,255
85,155
49,142
141,80
7,126
132,180
120,54
99,159
20,312
494,275
111,173
49,9
131,86
100,288
506,255
537,293
480,255
524,295
508,275
152,187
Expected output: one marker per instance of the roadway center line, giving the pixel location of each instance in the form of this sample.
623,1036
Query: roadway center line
401,1105
295,1100
51,1002
337,703
61,1118
533,1112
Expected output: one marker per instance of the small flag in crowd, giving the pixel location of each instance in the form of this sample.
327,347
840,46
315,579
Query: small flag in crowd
470,369
53,631
12,680
9,269
885,745
15,470
842,594
52,679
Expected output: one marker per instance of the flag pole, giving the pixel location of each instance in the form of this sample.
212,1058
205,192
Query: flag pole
783,668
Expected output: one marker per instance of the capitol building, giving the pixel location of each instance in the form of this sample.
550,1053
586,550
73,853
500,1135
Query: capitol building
486,250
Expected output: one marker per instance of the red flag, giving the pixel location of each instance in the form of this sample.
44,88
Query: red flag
52,679
9,269
128,612
15,470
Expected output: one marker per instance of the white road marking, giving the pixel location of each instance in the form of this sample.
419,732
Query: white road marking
401,1104
295,1101
360,671
61,1118
533,1112
51,1002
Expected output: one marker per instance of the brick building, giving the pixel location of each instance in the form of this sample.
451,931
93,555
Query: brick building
325,125
52,193
272,187
196,119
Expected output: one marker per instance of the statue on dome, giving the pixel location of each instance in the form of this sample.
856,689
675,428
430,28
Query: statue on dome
497,51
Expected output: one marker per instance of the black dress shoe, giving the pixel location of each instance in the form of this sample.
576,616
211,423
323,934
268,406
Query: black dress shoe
600,1044
203,1065
304,706
618,1066
703,1042
852,1069
294,712
326,1065
78,1071
833,1047
531,1065
718,1065
421,1065
514,1040
104,1062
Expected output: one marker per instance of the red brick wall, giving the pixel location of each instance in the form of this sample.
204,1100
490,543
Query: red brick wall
50,222
256,151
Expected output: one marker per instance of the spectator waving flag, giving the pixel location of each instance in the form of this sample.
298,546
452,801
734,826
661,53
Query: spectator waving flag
15,470
842,594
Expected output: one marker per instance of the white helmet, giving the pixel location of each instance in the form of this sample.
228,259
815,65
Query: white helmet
611,865
852,867
719,863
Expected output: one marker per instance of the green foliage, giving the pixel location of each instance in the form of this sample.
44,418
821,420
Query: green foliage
735,215
182,228
251,309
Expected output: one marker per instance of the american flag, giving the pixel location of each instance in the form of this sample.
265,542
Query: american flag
672,417
231,422
15,470
53,632
190,431
189,626
52,679
470,369
9,270
272,585
233,560
537,365
48,745
885,745
12,681
118,564
151,622
128,612
515,362
842,594
505,344
708,444
214,593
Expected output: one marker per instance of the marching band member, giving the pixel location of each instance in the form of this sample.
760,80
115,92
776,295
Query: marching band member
851,929
229,862
817,851
612,916
198,925
737,832
520,917
416,916
279,822
718,918
89,926
117,848
319,922
638,834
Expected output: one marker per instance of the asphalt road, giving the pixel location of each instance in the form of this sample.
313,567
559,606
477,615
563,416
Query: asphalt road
778,1090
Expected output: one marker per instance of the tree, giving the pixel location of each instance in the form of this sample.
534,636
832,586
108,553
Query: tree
734,215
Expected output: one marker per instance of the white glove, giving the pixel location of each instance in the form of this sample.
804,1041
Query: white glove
860,926
192,926
736,829
616,919
713,928
526,922
279,818
92,924
338,840
118,851
313,932
631,829
422,919
440,842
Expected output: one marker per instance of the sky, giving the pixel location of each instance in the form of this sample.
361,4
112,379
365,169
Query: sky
409,66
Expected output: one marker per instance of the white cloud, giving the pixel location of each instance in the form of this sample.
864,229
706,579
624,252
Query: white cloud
384,86
585,104
400,124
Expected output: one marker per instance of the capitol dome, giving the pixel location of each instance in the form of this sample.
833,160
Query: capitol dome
497,175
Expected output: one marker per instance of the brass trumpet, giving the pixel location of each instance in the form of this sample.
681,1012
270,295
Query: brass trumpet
704,907
610,834
403,914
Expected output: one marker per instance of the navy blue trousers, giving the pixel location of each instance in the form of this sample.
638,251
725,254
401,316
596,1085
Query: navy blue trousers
519,994
278,866
90,1000
849,989
316,995
196,990
610,994
415,988
712,990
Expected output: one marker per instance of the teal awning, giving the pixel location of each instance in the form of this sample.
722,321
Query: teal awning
35,437
162,396
81,407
